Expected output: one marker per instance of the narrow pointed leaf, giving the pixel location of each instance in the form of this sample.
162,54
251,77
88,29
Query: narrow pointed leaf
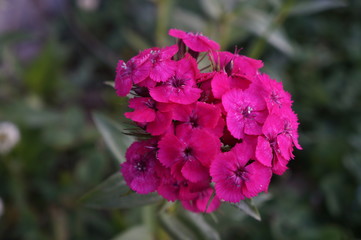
175,228
113,193
204,228
110,83
212,8
311,7
135,233
113,135
249,208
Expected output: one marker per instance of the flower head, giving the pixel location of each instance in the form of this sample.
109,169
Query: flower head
195,41
237,176
139,170
246,112
218,128
179,87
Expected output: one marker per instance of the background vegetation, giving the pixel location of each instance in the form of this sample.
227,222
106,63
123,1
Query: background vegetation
55,56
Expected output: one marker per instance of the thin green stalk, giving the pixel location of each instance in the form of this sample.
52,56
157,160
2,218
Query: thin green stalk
225,29
149,217
258,46
163,12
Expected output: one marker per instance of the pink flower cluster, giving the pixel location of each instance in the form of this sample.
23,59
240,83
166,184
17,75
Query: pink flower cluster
215,134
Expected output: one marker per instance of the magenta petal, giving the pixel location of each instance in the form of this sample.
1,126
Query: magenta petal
177,33
285,145
163,71
160,93
235,126
144,185
258,179
207,114
231,99
194,171
244,152
182,112
220,84
141,72
264,152
222,171
160,124
148,83
141,115
169,191
206,146
252,128
190,205
204,203
138,102
279,165
200,43
187,95
170,149
123,83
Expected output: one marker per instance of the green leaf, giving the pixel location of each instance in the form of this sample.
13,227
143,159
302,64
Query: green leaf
110,83
258,23
114,136
212,8
249,208
114,193
135,40
175,227
185,19
202,225
135,233
311,7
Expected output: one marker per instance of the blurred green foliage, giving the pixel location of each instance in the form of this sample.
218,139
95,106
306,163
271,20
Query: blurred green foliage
313,46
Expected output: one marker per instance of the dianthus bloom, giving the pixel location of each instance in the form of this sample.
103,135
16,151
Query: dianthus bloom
216,133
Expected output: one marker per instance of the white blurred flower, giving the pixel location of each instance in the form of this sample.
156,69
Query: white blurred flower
88,5
9,136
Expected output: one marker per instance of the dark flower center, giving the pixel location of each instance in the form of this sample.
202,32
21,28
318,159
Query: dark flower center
177,82
188,152
140,166
193,120
275,98
247,112
241,174
273,144
151,104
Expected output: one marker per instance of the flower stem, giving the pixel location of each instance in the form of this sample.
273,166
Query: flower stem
163,10
149,217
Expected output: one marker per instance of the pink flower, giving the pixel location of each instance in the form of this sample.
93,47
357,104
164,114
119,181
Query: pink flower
195,41
162,67
194,158
174,189
236,176
204,202
139,170
273,93
274,148
246,112
189,154
233,71
157,116
180,87
135,70
199,115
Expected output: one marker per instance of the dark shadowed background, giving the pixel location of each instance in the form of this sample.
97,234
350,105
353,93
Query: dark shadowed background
55,56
